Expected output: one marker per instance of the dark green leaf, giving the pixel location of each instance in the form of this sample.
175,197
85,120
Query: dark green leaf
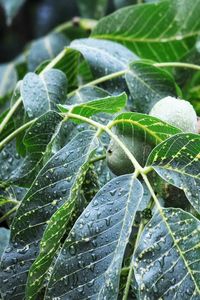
50,190
177,160
148,84
90,261
166,262
163,31
57,225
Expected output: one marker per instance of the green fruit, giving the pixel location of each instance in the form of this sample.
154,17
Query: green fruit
176,112
118,161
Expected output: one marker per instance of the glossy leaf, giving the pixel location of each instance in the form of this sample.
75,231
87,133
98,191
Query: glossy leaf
109,105
177,160
91,257
166,262
41,93
148,84
50,191
162,31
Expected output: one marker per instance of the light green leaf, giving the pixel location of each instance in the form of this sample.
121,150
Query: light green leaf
148,84
166,262
92,255
50,190
41,93
109,105
163,31
8,79
177,160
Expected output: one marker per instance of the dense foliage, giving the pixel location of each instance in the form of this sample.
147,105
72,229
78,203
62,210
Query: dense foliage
71,228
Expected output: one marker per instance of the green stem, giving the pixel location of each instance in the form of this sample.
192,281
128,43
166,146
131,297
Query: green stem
99,80
95,159
177,65
15,133
9,114
6,201
10,212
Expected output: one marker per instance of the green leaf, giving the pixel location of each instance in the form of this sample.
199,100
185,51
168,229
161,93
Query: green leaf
177,160
89,263
92,9
166,262
41,93
148,84
109,105
11,8
50,191
4,239
163,31
57,226
8,79
104,57
23,171
45,48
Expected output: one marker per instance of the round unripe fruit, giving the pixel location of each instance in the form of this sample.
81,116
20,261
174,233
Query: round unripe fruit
176,112
118,161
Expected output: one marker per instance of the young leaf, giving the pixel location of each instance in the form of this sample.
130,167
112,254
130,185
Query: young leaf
8,79
109,105
166,262
45,48
50,190
177,160
162,31
148,84
92,255
41,93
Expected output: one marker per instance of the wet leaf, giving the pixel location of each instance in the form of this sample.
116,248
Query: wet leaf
49,192
166,261
177,160
162,31
41,93
148,84
89,263
4,239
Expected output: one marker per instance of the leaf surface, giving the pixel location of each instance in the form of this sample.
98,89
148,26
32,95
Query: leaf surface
163,31
50,190
166,262
177,160
91,258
